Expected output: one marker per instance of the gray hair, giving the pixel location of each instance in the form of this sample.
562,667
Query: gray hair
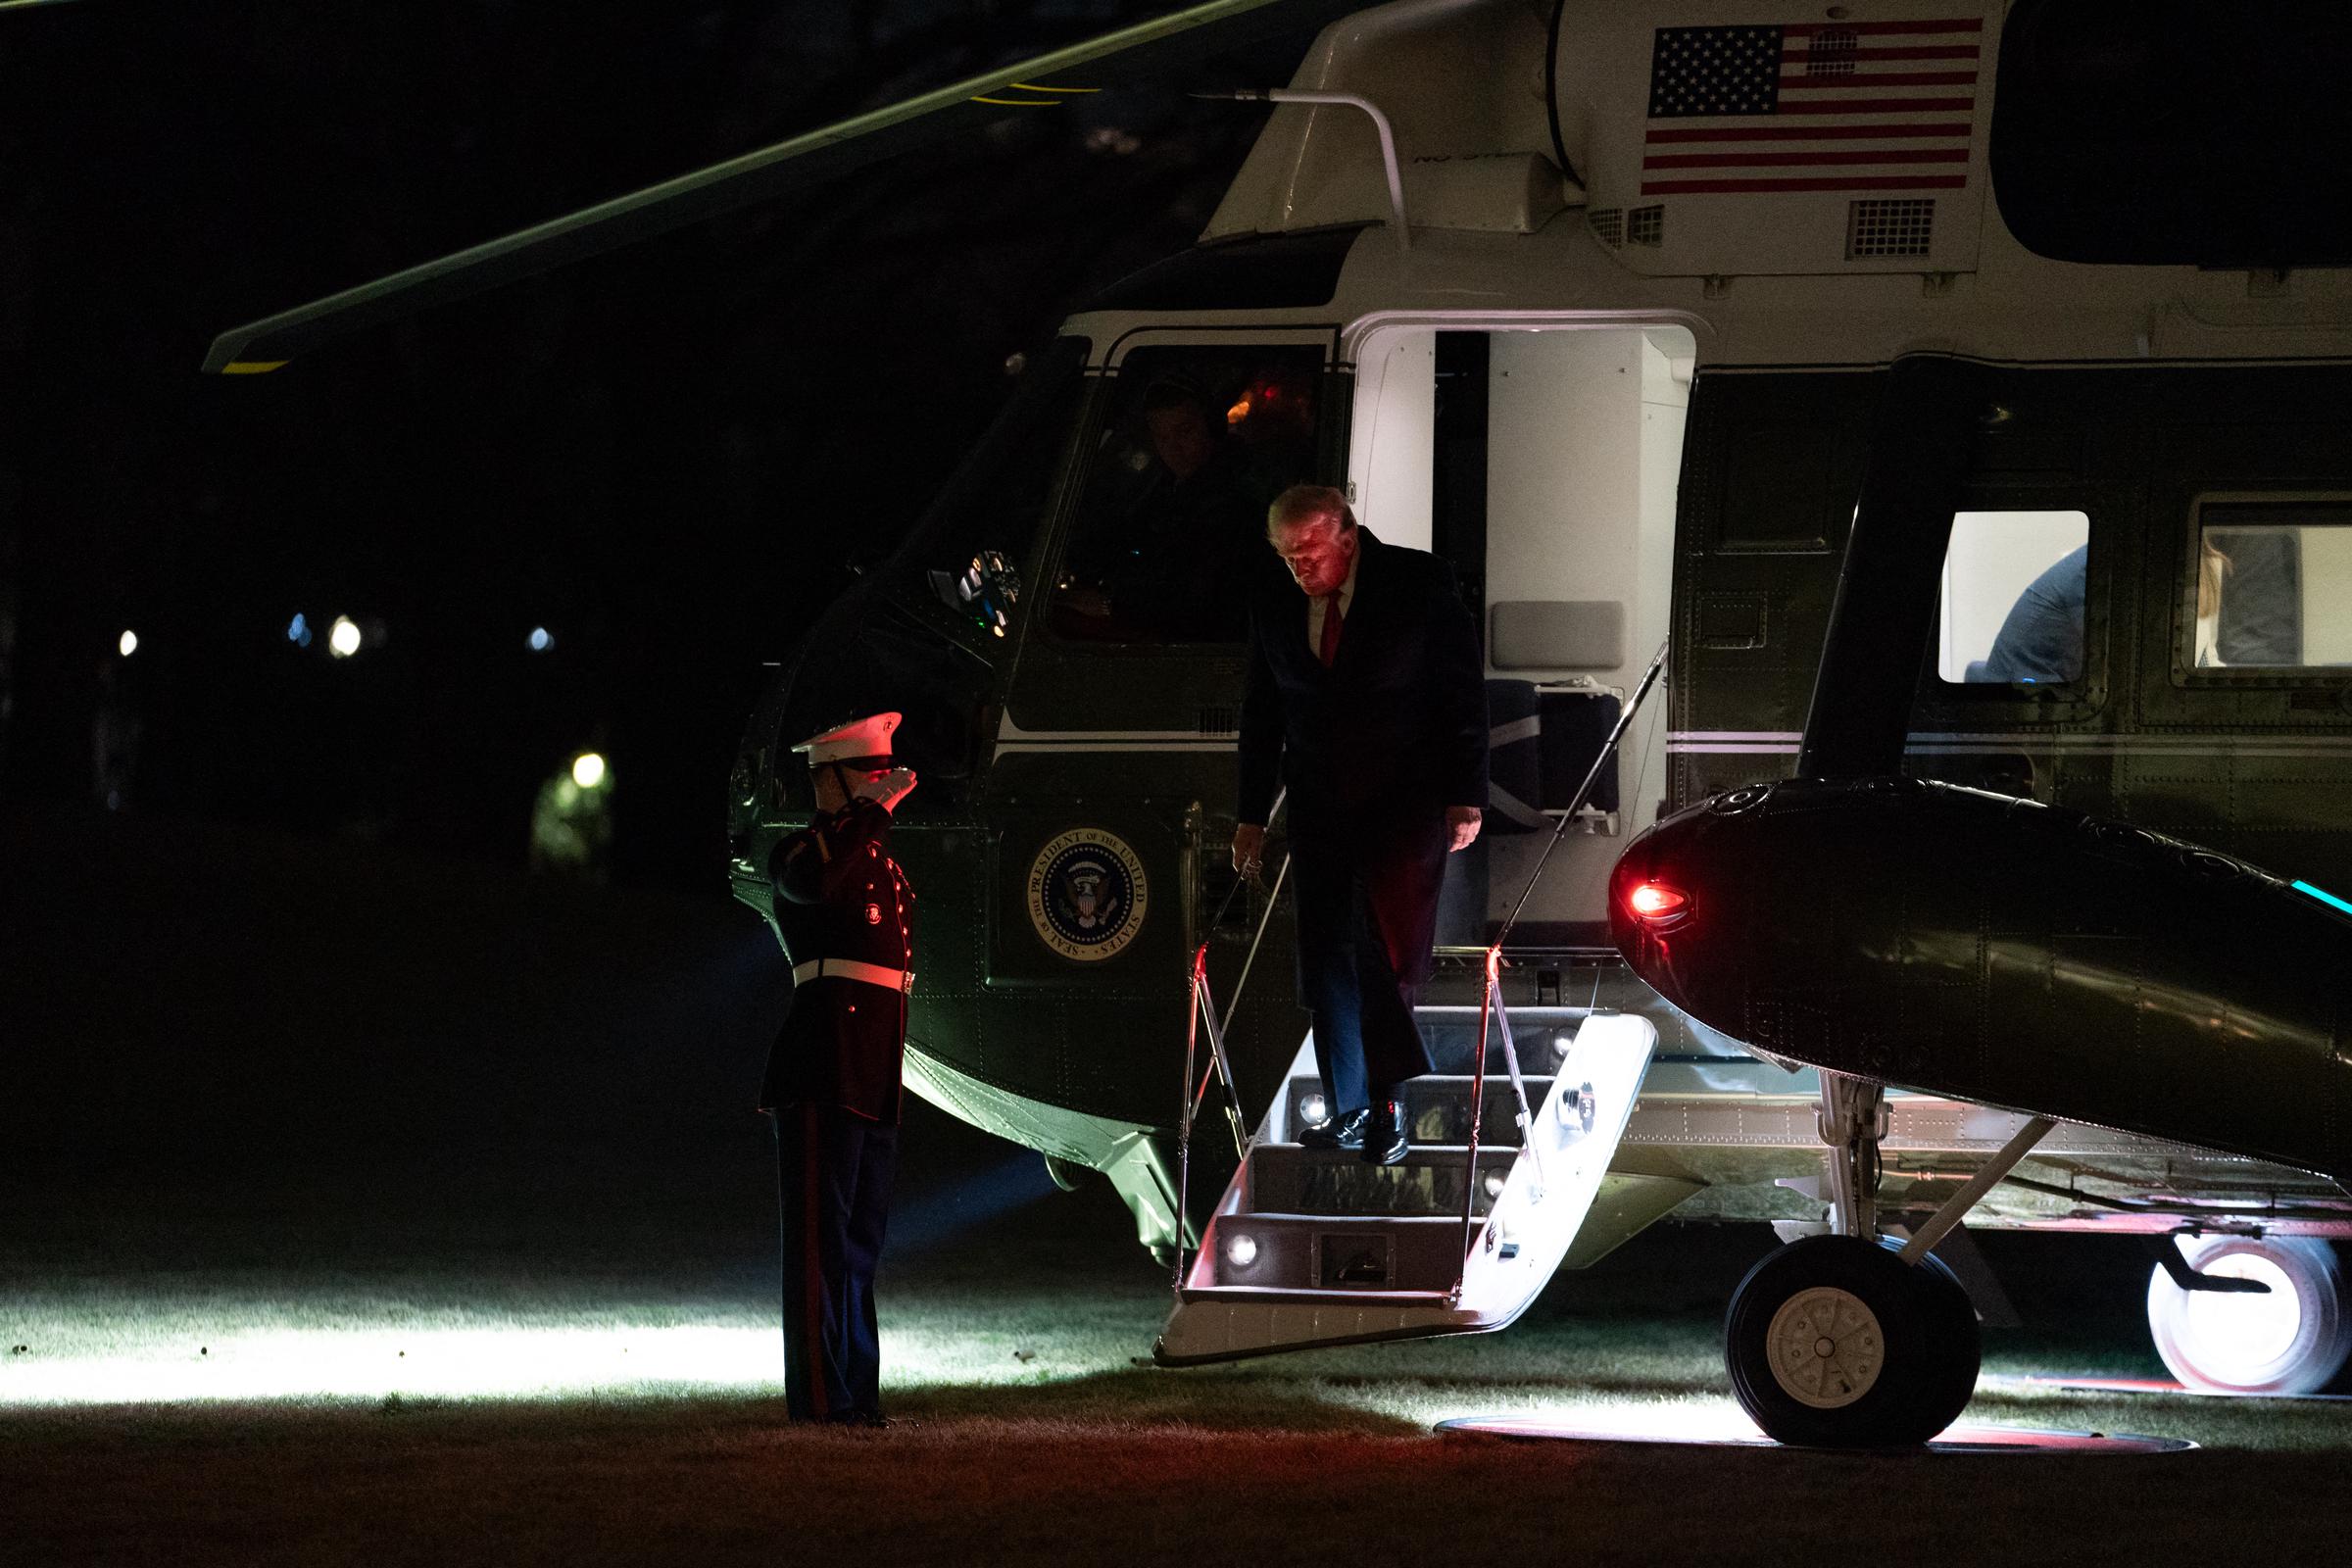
1304,504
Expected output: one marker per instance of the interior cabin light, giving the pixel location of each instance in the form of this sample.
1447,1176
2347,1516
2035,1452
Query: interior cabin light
1655,901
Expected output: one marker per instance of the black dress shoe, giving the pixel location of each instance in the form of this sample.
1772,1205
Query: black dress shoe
1336,1132
1384,1143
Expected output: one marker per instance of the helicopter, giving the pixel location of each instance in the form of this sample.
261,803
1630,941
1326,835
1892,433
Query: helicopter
1973,437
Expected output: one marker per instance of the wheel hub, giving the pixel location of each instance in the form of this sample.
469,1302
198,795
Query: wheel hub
1827,1349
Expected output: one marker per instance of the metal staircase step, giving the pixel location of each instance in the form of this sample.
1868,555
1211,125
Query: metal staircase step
1451,1036
1437,1105
1287,1179
1352,1253
1313,1246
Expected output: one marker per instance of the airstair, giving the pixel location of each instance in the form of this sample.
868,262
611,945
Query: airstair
1314,1247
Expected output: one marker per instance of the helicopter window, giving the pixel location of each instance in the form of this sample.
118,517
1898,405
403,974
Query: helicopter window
1197,442
2273,585
2014,586
973,564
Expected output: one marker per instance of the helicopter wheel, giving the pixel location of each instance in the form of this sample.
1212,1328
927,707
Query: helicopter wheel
1068,1174
2292,1339
1834,1342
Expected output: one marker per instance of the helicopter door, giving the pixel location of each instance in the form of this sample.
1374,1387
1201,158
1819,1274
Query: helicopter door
1542,465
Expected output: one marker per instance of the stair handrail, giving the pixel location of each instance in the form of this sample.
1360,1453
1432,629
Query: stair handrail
1490,1007
1201,1009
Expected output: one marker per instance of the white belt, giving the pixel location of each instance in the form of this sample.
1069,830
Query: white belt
874,974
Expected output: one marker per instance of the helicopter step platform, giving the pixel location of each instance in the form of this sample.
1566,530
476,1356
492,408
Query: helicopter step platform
1313,1246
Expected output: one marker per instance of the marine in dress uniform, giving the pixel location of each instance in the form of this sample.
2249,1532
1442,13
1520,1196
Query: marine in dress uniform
847,914
1366,697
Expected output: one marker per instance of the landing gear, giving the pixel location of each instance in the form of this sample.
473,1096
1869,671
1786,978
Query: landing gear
1834,1342
2291,1339
1846,1340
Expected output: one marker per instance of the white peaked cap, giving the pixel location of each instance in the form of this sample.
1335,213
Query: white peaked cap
859,737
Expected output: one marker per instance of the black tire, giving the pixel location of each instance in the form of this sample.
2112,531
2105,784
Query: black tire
1068,1174
1899,1348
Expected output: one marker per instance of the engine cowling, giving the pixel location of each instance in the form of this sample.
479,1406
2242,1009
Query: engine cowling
1995,949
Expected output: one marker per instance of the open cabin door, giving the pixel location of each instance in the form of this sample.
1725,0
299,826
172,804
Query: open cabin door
1542,461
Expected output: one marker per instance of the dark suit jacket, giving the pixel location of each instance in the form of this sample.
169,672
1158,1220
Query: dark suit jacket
841,895
1394,731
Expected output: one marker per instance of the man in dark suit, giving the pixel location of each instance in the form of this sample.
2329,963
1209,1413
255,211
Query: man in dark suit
1366,699
846,916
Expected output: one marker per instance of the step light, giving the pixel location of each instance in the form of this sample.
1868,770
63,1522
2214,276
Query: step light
1241,1250
1313,1108
1493,1185
1560,1043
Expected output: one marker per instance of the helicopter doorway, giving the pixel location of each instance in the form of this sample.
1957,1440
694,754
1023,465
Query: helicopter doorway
1541,461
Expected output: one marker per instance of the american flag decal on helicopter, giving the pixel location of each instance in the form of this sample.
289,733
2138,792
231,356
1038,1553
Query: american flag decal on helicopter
1811,106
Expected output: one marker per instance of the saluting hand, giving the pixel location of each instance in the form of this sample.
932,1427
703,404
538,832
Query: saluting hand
890,789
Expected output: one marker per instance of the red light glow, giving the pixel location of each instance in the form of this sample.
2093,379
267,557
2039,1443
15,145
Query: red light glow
1654,900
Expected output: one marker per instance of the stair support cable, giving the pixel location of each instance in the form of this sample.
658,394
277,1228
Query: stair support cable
1201,1009
1490,1009
1487,1005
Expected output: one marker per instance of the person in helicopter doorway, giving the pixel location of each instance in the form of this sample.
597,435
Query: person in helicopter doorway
832,1089
1367,698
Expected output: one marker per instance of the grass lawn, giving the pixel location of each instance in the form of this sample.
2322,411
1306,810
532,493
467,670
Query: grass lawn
252,1388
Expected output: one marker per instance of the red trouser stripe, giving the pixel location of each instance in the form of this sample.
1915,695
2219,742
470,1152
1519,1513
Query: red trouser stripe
813,1274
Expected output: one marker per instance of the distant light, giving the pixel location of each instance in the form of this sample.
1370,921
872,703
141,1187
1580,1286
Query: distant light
2329,899
1655,901
298,631
1239,412
343,637
588,771
540,640
1241,1250
128,643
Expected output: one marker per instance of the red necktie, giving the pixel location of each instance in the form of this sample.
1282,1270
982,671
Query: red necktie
1331,630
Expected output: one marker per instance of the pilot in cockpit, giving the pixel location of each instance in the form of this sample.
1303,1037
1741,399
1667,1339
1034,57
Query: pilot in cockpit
1168,572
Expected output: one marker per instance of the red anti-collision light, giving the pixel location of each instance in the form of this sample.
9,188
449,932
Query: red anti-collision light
1655,901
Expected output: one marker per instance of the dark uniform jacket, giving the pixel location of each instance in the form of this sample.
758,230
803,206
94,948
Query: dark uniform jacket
839,894
1394,731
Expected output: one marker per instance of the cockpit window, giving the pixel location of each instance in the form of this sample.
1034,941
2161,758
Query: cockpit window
2014,587
1172,523
972,561
2273,586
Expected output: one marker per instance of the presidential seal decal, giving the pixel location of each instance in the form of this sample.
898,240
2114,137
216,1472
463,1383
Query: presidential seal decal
1087,894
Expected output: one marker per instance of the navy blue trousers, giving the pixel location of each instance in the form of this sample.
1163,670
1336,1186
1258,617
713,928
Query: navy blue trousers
833,1175
1367,916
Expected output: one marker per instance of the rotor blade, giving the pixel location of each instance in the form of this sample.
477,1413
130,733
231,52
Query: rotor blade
1145,52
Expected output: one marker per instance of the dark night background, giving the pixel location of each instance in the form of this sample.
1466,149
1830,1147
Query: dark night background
669,457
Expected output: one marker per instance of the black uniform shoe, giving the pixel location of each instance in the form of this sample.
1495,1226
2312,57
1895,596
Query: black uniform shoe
1336,1132
1385,1142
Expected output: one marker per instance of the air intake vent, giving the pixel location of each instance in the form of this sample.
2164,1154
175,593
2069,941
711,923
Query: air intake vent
1889,229
1609,223
1219,722
1645,226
